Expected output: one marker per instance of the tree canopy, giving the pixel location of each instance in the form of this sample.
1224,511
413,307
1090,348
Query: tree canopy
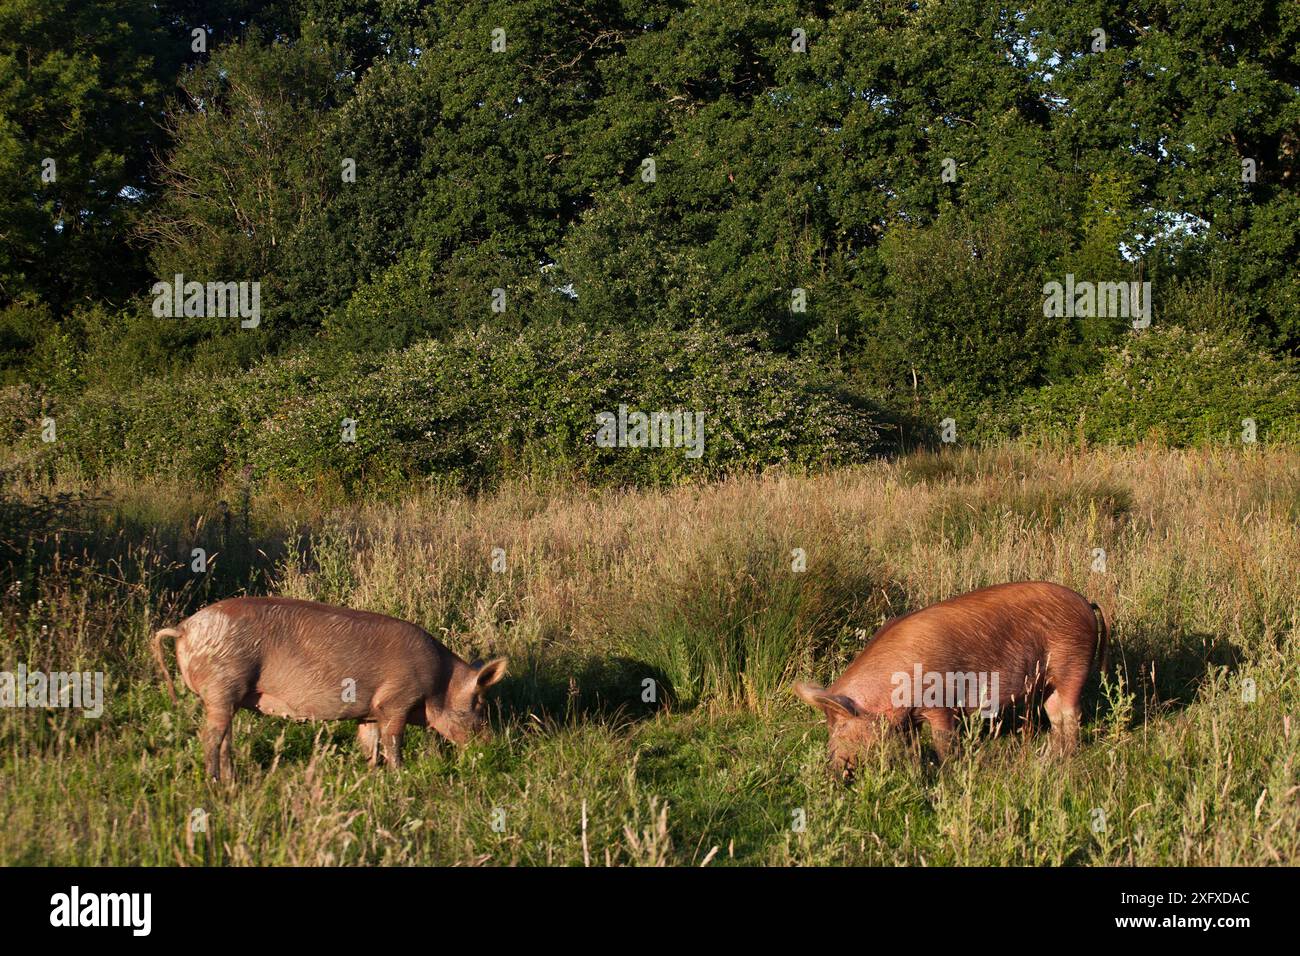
881,188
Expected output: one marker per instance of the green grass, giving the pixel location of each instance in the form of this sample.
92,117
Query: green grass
693,589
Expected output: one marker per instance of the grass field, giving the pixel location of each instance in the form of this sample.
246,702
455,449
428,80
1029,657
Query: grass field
1183,761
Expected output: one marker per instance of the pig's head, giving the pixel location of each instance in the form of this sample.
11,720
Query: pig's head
463,714
852,730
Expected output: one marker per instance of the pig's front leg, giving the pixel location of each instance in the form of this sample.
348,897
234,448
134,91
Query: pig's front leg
942,733
368,737
393,731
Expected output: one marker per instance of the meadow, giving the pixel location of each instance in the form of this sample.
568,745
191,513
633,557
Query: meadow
653,636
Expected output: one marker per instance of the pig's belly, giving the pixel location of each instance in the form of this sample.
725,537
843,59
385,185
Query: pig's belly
278,702
1014,685
979,687
312,686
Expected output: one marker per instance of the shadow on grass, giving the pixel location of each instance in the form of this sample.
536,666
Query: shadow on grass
567,688
609,692
1164,667
62,535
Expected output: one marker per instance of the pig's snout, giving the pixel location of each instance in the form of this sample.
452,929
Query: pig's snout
841,763
474,732
840,769
461,727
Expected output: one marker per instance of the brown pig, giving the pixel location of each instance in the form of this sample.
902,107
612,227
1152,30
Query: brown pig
312,661
979,651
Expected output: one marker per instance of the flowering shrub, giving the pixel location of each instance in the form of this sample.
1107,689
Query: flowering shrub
480,406
1169,385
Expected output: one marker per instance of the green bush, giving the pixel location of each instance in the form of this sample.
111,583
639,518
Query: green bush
480,406
1169,385
488,403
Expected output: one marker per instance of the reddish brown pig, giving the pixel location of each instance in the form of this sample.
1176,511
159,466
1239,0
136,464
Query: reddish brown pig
979,651
311,661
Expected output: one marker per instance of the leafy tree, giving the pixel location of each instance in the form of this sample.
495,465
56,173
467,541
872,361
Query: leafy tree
247,179
82,87
1181,95
466,162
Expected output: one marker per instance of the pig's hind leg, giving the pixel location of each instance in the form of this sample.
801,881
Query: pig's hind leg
227,758
221,700
216,739
1062,707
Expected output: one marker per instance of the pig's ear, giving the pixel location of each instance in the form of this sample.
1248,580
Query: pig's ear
815,695
491,672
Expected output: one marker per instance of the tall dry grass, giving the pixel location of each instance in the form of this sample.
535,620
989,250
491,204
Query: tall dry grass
697,590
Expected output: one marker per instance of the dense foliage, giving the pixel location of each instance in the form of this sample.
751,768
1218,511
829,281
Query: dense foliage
1173,387
872,196
481,405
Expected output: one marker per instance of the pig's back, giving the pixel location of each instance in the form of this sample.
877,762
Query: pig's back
1013,629
296,641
